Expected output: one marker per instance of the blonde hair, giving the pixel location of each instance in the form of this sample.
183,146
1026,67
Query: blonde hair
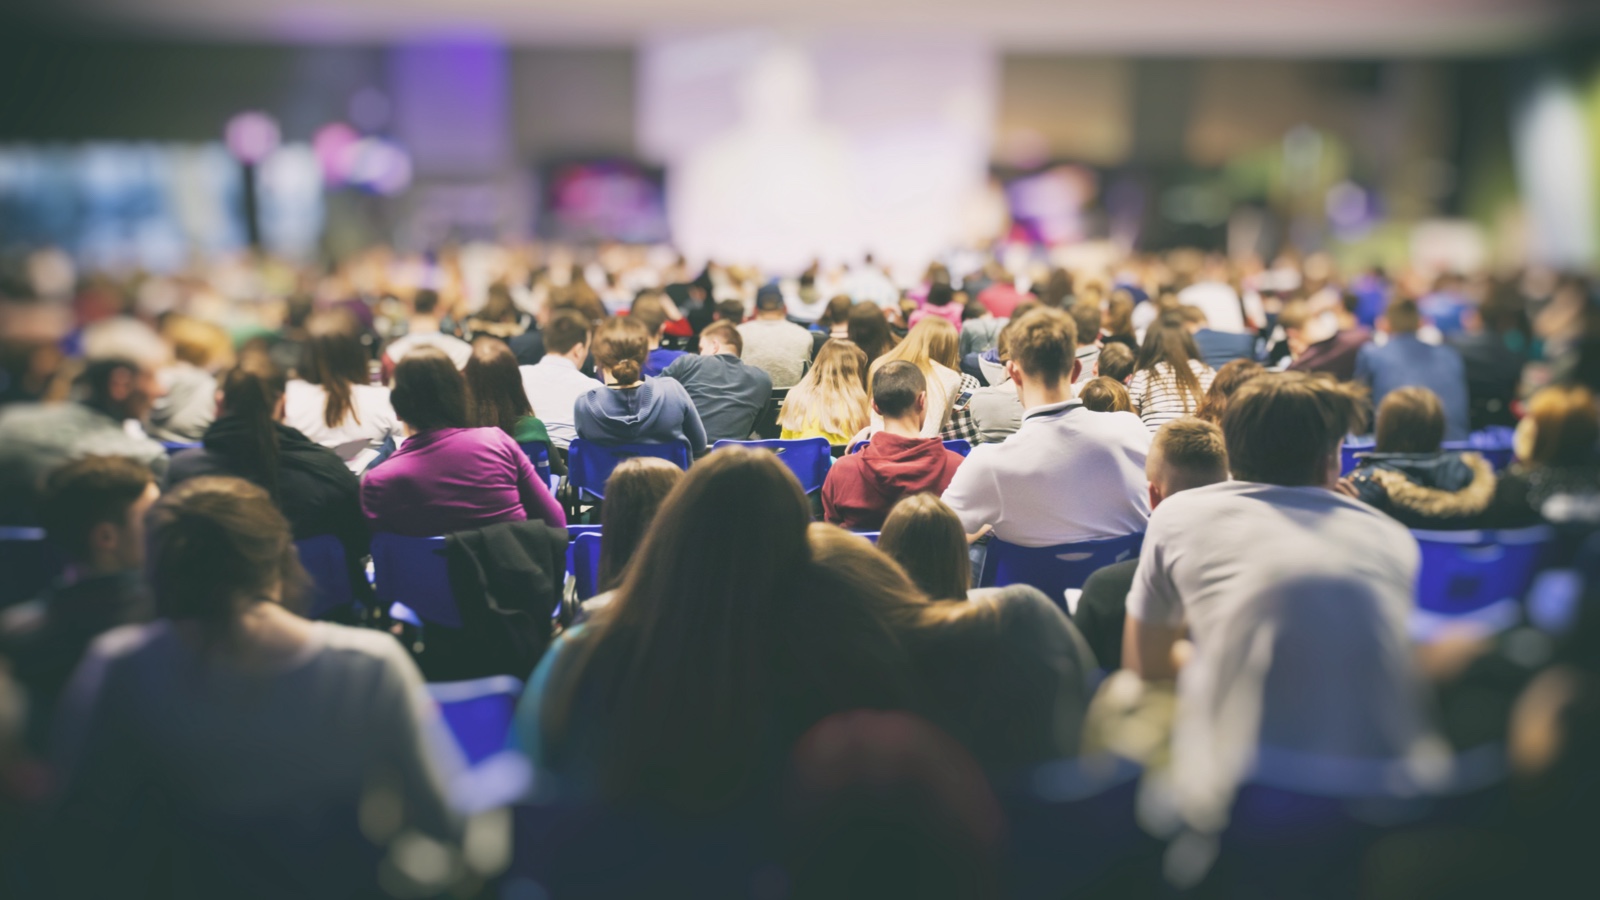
202,344
932,340
832,396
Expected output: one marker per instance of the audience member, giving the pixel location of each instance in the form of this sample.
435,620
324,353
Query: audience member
1493,345
1186,453
1216,348
265,736
331,402
555,384
423,331
1556,477
1170,379
1301,583
633,409
1068,474
1116,362
1087,317
941,302
869,330
498,318
1001,296
1409,476
774,344
1405,361
650,311
1229,378
931,348
835,322
925,537
1104,394
899,460
996,410
94,511
496,398
636,489
448,477
831,400
728,394
200,351
1118,321
1330,343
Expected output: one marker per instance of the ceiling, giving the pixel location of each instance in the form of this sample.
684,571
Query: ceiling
1360,28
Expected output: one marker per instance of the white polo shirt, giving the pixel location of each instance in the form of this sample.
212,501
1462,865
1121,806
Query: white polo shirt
1069,474
553,385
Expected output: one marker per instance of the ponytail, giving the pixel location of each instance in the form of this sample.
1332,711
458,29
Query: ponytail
250,392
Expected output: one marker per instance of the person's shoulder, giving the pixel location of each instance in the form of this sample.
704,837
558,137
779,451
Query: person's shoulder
360,644
125,641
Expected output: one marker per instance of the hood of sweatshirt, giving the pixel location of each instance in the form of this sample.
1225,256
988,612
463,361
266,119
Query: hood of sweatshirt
901,466
622,415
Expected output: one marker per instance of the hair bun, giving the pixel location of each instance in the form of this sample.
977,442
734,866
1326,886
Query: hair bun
626,371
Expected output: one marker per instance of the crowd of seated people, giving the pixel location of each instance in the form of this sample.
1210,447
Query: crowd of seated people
849,710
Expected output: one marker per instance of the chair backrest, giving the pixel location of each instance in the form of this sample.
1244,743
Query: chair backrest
766,425
538,453
590,464
478,712
324,560
28,563
1350,449
1054,570
173,448
583,559
959,446
871,536
1479,573
1494,444
809,459
412,571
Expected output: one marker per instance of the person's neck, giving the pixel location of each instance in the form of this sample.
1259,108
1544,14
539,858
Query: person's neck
1034,394
771,317
655,343
905,426
424,324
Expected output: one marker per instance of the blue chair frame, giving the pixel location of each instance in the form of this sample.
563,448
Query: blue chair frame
478,713
809,458
871,536
539,455
1054,570
583,560
590,464
411,571
173,448
1476,576
324,559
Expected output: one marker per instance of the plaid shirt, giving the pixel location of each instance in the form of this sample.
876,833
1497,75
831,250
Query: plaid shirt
961,427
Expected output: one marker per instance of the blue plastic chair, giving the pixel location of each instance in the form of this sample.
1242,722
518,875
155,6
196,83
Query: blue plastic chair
324,560
478,712
28,563
538,453
959,446
1054,570
1493,444
809,459
871,536
173,448
1351,449
590,464
583,560
1476,576
411,572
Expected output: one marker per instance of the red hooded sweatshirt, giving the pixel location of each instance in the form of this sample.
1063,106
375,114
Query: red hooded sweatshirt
862,487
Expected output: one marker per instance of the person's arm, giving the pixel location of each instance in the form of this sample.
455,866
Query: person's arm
417,747
1155,613
974,495
1363,373
532,490
693,428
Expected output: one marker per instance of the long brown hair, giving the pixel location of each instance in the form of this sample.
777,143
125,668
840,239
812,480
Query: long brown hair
495,396
925,537
1168,343
870,331
250,392
634,493
335,360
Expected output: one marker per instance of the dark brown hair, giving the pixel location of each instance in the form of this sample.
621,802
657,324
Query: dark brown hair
1104,394
567,329
85,492
335,360
429,392
724,331
1229,378
1116,361
634,492
1410,420
250,392
1282,428
1086,315
870,331
1403,317
925,537
1168,343
621,346
495,396
649,311
838,312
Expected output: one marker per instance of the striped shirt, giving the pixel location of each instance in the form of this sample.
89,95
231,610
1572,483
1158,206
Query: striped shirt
1157,398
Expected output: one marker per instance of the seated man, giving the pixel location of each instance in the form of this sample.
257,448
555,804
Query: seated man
424,329
774,344
1186,453
554,384
94,511
1217,348
862,487
1406,361
1298,600
1410,477
1068,474
727,393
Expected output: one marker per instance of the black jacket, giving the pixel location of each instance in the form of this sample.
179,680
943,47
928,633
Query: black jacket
1426,490
507,581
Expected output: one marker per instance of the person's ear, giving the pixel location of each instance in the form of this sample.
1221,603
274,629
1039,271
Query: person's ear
921,405
218,398
120,385
1077,369
103,538
1155,495
280,409
876,411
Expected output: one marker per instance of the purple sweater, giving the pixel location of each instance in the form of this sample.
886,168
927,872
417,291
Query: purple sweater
455,479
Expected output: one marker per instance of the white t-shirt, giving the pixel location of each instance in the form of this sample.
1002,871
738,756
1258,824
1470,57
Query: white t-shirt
553,386
458,350
1069,474
260,774
358,437
1219,302
1297,600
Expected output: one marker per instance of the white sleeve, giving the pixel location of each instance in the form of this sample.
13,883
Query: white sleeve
1154,597
973,494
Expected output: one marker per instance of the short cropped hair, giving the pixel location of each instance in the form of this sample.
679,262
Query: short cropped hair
429,391
1282,428
1410,420
1117,361
1086,315
425,302
85,492
1044,344
1403,317
724,331
1192,451
567,329
895,387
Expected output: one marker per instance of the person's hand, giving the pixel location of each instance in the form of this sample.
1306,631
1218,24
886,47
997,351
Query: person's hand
1347,487
977,536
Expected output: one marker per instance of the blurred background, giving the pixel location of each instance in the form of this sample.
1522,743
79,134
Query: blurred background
151,135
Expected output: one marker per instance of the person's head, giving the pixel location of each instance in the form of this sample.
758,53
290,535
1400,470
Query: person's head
649,311
838,312
1410,420
1228,379
1104,394
721,337
769,303
1186,453
1057,290
567,336
900,394
251,393
495,396
1086,316
1194,318
621,347
1117,362
429,392
93,509
1560,429
498,306
123,356
1043,346
1286,428
425,302
940,294
1402,317
731,311
634,492
218,546
335,360
204,345
932,340
1119,314
832,395
869,330
1169,351
926,538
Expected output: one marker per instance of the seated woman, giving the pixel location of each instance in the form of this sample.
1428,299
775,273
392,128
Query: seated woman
634,409
831,399
1556,477
448,477
636,489
1103,394
334,405
1004,672
497,399
1409,477
724,644
260,732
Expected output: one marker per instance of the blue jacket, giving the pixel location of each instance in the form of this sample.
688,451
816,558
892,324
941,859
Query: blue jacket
1218,348
1406,362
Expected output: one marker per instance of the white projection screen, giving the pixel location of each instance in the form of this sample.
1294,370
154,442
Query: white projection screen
780,149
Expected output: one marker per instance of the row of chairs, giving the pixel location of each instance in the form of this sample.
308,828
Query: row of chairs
1493,444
